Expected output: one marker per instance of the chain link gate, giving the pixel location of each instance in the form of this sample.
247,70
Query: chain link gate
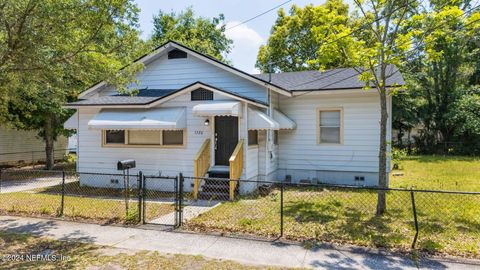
161,198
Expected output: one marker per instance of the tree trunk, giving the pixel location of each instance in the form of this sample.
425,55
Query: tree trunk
382,155
49,140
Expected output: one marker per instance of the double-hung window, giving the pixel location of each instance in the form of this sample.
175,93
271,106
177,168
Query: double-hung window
330,126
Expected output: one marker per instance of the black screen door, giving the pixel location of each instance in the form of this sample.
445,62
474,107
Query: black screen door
226,138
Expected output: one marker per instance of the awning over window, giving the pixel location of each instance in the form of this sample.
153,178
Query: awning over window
72,122
258,120
158,118
217,109
283,120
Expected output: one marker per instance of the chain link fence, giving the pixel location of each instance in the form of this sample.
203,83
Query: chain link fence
35,159
432,221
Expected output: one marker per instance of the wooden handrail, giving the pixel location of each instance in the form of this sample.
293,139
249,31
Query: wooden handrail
201,164
236,167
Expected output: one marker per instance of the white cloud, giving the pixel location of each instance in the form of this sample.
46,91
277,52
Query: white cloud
246,43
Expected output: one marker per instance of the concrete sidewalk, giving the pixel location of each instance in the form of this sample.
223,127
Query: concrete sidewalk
240,250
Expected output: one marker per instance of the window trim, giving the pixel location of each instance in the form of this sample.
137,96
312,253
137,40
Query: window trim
126,145
329,109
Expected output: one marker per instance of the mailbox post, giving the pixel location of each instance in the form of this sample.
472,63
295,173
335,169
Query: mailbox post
126,165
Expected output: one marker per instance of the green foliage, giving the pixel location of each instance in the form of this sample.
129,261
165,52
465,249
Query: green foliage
398,154
440,73
50,51
71,158
204,35
465,116
296,38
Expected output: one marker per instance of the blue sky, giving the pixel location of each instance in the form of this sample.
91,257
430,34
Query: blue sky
247,37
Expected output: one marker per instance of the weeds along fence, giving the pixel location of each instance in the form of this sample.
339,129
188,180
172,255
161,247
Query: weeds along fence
436,221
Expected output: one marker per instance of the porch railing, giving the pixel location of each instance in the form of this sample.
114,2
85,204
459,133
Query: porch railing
201,164
236,167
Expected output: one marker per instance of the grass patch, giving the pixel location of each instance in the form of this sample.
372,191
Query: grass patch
77,208
439,172
449,223
88,256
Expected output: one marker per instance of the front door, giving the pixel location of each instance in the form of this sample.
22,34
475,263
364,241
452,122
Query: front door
226,138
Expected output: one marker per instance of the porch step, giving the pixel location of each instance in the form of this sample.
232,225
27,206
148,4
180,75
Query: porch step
212,195
217,189
219,172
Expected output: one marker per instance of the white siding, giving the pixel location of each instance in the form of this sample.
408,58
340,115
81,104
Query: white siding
359,153
252,162
262,154
166,73
92,157
14,141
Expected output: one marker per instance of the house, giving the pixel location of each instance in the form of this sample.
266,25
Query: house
196,115
24,147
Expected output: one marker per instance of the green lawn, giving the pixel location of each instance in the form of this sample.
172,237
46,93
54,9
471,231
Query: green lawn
88,256
77,208
449,223
438,172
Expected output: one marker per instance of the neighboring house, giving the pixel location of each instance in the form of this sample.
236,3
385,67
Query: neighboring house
196,115
24,147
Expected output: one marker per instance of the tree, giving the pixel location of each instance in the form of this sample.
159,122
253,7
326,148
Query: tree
373,51
465,114
445,65
295,38
52,50
204,35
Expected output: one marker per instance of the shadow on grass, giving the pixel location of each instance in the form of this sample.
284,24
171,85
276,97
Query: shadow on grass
26,244
340,222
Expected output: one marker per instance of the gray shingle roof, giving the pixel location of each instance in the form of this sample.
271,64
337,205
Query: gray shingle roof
147,96
144,96
340,78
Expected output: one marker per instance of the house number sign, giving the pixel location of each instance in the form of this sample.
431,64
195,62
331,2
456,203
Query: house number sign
198,132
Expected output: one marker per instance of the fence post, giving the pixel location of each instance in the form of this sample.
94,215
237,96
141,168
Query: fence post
177,198
180,201
140,192
414,209
62,203
144,184
281,209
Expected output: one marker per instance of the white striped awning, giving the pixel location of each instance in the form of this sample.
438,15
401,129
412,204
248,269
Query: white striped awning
258,120
217,109
72,122
283,120
151,119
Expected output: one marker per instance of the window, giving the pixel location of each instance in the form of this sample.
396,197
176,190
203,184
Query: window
253,137
143,138
201,94
330,126
176,54
275,137
114,136
173,137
